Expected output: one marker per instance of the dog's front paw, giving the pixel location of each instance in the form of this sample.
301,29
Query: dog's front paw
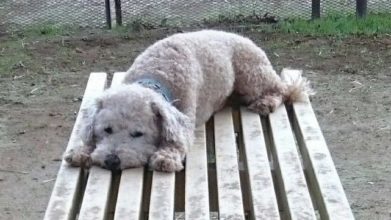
78,159
166,161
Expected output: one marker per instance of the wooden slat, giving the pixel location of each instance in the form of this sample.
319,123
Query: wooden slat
323,176
197,195
228,182
296,197
96,195
162,196
129,201
62,202
130,192
330,195
118,78
263,196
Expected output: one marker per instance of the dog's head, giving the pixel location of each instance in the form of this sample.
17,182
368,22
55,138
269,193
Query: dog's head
127,124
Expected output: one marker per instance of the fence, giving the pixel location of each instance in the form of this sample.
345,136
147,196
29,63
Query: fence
156,13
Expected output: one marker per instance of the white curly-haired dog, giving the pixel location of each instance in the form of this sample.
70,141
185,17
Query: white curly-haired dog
173,86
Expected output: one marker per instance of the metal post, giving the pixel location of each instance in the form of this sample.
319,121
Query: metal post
118,12
361,8
108,13
315,9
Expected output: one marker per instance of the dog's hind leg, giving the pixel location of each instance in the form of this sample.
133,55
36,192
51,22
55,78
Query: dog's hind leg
256,82
265,104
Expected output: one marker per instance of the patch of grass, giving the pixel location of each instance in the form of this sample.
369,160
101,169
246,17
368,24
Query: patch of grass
46,30
240,19
140,25
18,55
13,57
337,25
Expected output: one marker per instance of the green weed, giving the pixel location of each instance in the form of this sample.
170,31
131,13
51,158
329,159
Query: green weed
337,25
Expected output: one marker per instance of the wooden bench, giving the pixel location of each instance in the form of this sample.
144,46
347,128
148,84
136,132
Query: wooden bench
242,166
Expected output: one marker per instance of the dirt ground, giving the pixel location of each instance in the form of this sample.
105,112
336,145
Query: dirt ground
42,82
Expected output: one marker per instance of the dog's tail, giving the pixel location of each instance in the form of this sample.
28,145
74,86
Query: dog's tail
298,87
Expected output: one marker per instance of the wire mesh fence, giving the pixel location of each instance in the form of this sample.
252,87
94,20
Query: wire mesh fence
158,13
24,13
349,6
193,12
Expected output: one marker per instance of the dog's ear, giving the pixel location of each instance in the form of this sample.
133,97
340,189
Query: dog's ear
175,126
86,130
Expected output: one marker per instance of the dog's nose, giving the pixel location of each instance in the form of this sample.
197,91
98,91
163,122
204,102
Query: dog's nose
112,162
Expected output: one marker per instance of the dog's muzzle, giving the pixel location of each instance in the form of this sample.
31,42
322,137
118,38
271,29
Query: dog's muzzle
112,162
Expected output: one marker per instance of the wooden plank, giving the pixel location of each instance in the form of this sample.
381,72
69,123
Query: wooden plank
130,192
228,181
263,197
96,195
162,196
196,193
129,201
296,197
323,176
62,203
118,78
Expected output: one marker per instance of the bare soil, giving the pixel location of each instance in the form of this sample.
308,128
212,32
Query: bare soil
41,91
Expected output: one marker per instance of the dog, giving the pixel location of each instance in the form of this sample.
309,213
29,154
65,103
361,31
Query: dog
173,86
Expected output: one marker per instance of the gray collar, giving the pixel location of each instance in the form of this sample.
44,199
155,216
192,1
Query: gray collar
157,86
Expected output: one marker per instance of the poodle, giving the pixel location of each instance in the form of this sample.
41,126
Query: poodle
173,86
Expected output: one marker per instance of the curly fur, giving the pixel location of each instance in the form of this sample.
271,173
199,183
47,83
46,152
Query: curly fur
202,69
298,87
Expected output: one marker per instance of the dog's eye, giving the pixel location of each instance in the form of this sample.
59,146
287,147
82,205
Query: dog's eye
108,130
136,134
